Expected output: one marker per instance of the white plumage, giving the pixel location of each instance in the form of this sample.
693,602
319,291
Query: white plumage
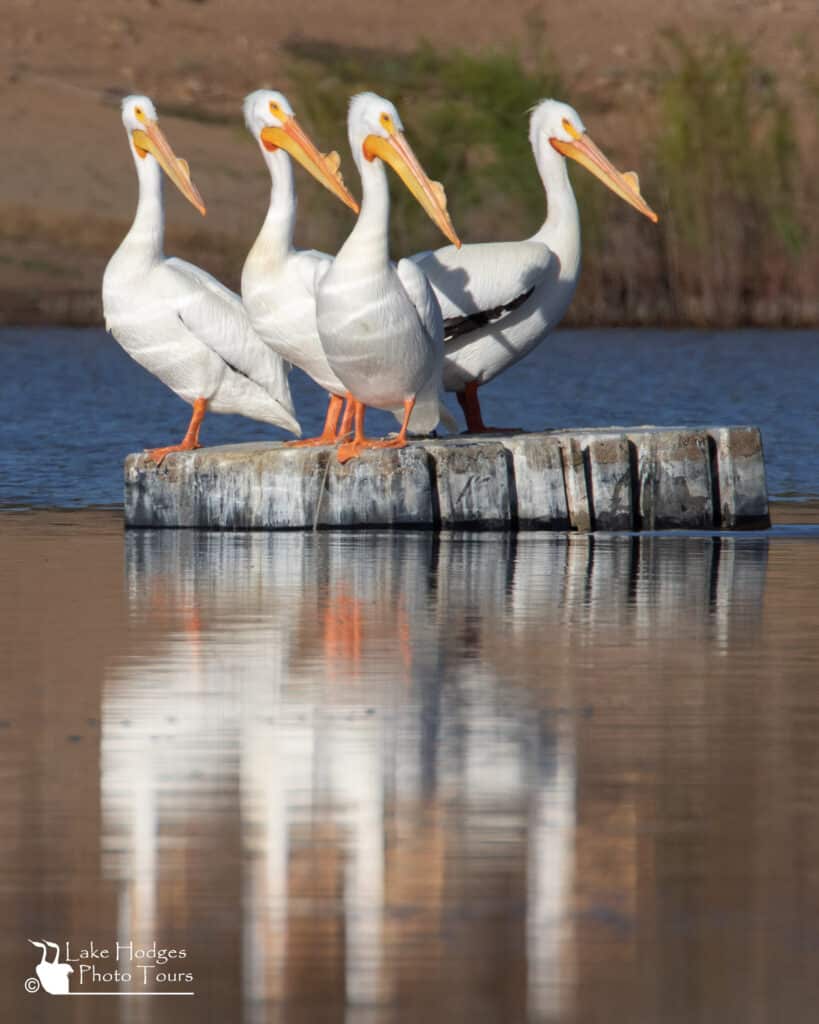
380,325
176,320
500,299
278,281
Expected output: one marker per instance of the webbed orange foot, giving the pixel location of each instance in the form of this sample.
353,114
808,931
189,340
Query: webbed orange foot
191,439
352,449
313,442
157,455
328,434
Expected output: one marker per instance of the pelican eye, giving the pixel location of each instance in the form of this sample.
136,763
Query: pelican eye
386,122
276,110
570,129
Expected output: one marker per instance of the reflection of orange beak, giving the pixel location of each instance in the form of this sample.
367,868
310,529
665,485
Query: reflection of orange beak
586,153
405,640
193,623
151,140
346,645
323,166
343,625
396,151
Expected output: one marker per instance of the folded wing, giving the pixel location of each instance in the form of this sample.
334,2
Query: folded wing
216,316
477,284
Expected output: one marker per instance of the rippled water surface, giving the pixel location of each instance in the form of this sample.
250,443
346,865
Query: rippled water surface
400,778
370,777
72,404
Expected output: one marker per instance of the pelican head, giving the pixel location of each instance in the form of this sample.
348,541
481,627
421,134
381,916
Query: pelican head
376,132
147,141
270,119
559,125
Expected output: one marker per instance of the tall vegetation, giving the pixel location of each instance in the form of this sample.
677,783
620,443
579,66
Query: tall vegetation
718,157
727,167
712,133
465,116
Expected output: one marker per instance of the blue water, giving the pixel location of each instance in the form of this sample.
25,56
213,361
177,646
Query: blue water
73,405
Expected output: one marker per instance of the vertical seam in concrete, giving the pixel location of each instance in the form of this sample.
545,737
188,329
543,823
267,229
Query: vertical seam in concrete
648,481
570,525
585,454
511,487
716,493
432,469
637,484
636,488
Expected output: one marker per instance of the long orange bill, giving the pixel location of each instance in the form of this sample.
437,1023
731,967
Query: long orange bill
151,140
587,154
396,151
323,166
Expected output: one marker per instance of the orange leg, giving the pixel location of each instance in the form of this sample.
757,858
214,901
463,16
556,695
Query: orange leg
347,418
468,401
328,434
401,440
359,442
191,438
355,447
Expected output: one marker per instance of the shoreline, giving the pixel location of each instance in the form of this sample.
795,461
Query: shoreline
30,308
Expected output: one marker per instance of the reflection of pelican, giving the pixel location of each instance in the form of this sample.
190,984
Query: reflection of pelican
384,811
52,974
299,707
500,299
174,319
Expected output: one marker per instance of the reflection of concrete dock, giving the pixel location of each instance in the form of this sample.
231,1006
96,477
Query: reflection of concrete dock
645,478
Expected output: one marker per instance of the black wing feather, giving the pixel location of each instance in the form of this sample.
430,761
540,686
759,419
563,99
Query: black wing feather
459,325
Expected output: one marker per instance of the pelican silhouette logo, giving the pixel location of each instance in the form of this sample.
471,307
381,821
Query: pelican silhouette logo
136,969
51,974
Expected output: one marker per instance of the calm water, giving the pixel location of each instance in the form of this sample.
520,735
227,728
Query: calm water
72,404
399,778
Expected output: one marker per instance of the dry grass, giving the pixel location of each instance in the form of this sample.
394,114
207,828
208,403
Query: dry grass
723,132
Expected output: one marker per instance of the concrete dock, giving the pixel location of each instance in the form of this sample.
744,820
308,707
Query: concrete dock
615,478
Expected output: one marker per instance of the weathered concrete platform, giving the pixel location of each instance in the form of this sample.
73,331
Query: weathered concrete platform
641,478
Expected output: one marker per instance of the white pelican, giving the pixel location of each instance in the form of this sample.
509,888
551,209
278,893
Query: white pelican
500,299
278,282
379,323
176,320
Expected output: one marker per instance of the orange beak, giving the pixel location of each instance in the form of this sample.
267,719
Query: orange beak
396,151
587,154
151,140
323,166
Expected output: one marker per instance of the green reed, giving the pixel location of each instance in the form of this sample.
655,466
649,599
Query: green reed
465,115
727,167
714,141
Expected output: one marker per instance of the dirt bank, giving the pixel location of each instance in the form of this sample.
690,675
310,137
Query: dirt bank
68,188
